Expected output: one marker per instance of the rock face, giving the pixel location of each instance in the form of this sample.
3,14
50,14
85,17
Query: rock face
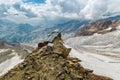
51,62
99,27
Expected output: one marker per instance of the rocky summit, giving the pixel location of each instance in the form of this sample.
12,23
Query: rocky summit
51,61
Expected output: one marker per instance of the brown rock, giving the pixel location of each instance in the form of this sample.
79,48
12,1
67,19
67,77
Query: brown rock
93,28
51,64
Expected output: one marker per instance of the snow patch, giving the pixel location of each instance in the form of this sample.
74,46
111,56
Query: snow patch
3,50
9,64
101,65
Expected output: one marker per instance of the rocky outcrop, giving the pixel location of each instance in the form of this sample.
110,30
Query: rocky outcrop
51,62
99,27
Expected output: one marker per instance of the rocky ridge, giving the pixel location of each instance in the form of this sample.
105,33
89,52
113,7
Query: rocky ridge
51,61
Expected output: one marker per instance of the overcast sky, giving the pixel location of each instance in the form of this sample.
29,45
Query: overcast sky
38,10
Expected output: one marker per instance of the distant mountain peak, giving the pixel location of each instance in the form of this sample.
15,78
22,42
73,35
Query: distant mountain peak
100,27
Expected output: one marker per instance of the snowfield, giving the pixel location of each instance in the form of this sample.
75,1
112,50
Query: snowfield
99,52
9,63
101,65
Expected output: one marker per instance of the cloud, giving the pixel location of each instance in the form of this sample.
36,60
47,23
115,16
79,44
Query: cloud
94,9
3,10
27,12
113,6
34,1
9,2
55,9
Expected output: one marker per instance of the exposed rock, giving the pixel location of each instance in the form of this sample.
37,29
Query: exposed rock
40,45
74,60
51,64
100,27
115,23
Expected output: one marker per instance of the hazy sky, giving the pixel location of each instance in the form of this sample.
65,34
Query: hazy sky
38,10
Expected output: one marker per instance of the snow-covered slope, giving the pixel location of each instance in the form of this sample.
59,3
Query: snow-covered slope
100,52
10,55
9,63
101,65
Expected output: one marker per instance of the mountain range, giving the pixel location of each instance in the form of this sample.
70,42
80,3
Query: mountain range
96,42
25,32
